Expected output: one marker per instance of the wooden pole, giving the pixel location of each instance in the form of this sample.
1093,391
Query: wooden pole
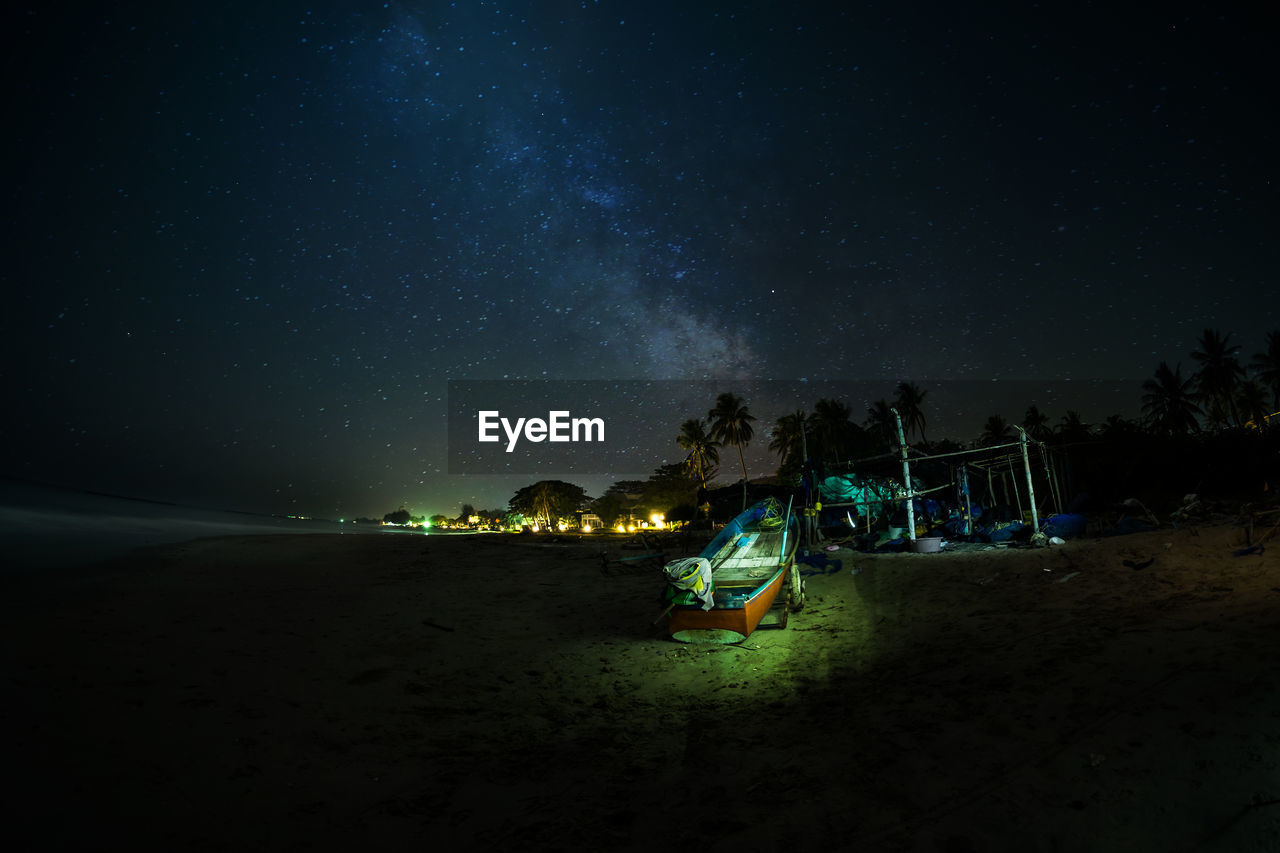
670,607
1052,474
906,478
1031,489
785,525
1017,496
813,495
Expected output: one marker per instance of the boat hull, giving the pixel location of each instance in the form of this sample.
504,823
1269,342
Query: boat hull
751,561
726,624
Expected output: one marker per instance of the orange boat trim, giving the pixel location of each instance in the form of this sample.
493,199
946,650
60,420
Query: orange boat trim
742,620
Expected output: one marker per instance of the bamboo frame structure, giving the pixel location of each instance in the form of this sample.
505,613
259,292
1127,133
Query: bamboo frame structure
993,463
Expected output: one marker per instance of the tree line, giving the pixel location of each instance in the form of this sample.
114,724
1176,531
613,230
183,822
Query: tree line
1223,392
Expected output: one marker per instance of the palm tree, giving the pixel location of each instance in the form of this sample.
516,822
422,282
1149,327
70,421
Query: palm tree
1036,423
1071,428
1219,373
833,427
731,425
1169,403
908,405
880,421
704,451
995,431
789,440
1118,426
1266,366
1251,401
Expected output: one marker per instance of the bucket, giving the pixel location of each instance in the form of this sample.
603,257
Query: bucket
927,545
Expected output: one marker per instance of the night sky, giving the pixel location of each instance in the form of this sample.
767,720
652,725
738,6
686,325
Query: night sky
247,245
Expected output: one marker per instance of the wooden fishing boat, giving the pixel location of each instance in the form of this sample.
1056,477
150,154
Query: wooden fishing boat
753,571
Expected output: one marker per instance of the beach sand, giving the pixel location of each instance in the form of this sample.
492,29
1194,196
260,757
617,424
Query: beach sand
500,692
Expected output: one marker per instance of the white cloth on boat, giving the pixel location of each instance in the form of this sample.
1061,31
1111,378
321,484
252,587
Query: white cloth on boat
692,573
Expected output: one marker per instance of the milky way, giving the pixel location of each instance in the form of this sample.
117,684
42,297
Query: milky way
249,245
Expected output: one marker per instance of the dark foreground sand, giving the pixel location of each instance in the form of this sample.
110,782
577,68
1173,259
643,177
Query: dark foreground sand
487,692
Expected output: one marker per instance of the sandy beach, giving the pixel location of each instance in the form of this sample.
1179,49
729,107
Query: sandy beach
309,692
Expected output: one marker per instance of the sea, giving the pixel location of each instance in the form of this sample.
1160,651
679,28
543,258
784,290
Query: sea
47,528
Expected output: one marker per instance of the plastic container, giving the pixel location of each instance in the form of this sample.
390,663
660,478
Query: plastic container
927,545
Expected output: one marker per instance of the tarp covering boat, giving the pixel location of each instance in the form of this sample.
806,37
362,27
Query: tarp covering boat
692,576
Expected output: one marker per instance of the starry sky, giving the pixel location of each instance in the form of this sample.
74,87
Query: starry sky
248,245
